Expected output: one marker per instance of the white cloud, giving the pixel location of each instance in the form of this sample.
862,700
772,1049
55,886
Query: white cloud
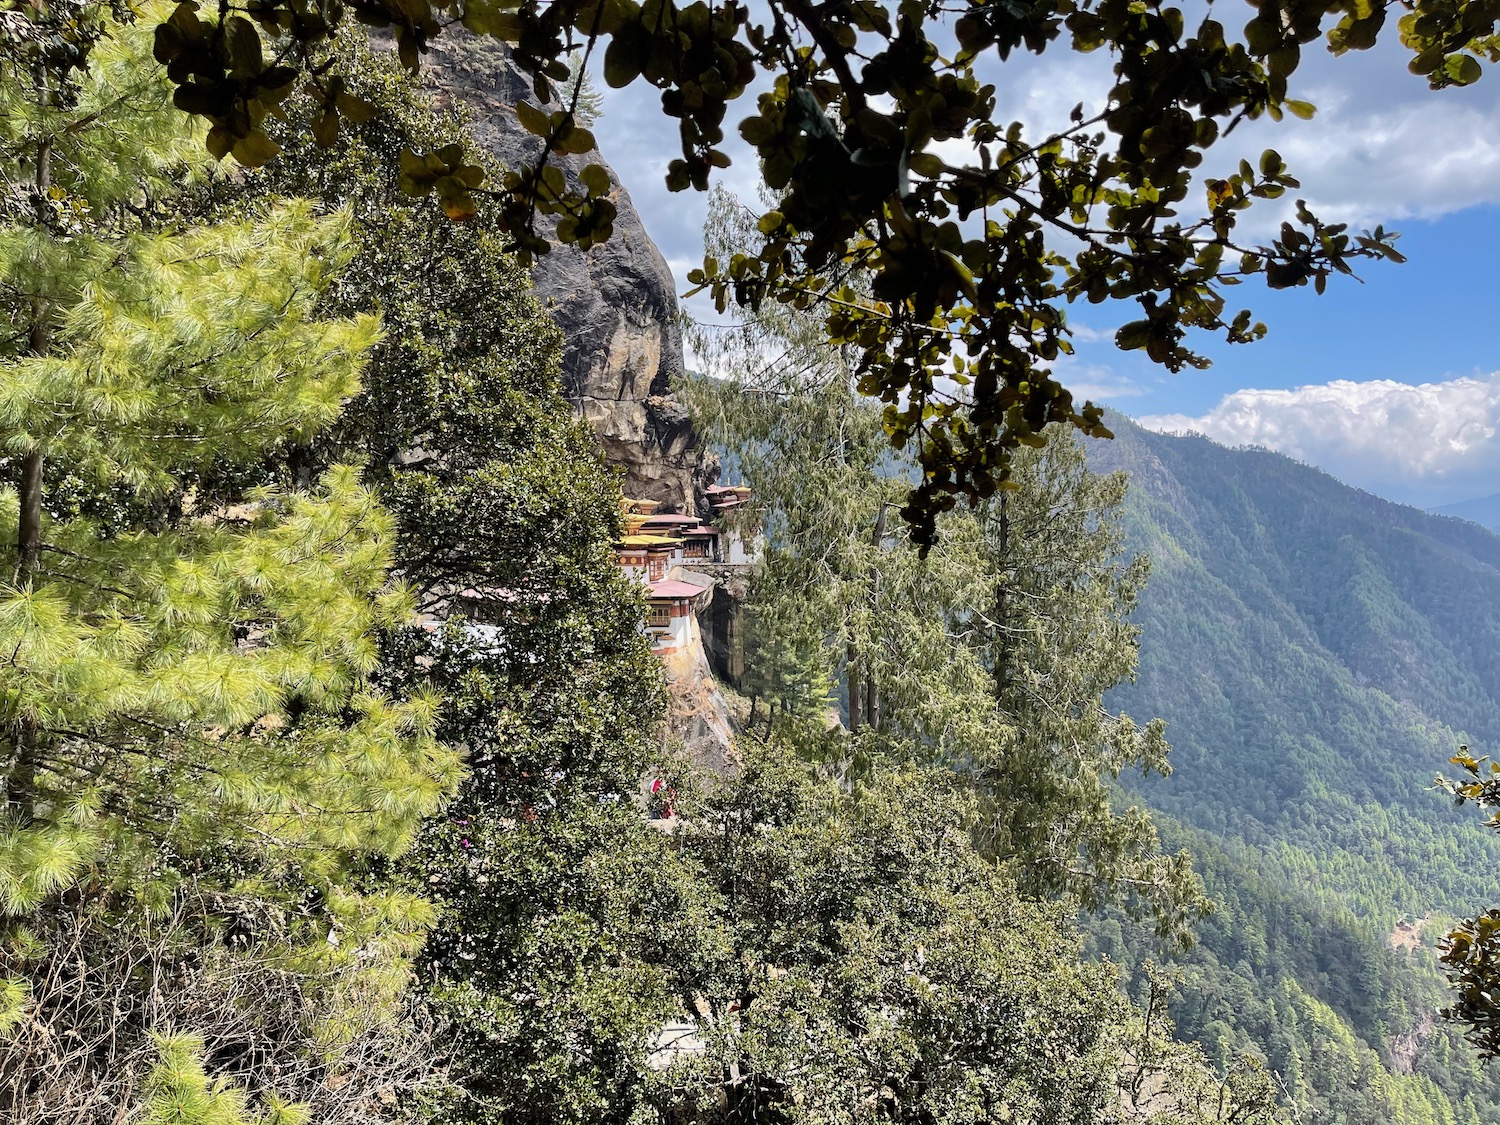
1411,162
1427,443
1382,147
1096,381
1380,160
1088,334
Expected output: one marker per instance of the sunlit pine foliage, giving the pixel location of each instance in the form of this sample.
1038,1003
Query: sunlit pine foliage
196,760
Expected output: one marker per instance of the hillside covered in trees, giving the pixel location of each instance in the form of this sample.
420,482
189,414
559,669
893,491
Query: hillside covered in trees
1318,654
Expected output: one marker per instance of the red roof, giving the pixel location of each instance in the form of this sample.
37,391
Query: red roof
669,589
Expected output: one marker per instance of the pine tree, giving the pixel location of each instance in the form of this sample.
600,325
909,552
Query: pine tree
990,655
180,1092
198,768
783,404
1051,623
505,516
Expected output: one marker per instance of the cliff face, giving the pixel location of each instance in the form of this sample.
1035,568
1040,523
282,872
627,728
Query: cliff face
616,303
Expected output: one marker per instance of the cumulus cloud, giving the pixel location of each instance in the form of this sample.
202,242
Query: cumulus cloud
1427,443
1380,159
1416,161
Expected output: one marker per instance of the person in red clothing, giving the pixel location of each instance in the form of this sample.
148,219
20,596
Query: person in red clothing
662,796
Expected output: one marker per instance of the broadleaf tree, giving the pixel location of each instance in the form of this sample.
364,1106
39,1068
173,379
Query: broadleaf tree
876,124
795,950
873,964
201,775
505,516
1470,952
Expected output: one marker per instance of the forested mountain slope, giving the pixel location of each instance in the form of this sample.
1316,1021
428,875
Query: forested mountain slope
1318,654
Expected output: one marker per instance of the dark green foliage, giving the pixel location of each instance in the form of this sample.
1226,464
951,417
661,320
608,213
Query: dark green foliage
990,655
506,516
792,952
921,987
568,931
862,112
1055,632
1294,977
1471,952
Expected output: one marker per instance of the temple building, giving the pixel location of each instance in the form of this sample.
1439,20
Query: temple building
661,552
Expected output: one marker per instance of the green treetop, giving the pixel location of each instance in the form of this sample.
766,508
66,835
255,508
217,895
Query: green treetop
505,516
1051,624
505,513
792,951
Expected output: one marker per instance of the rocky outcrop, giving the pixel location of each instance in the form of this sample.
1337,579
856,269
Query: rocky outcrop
615,303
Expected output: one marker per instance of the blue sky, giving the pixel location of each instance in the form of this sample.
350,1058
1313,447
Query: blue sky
1392,385
1389,384
1430,319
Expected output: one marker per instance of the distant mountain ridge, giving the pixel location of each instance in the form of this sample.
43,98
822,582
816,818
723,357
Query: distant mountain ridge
1485,511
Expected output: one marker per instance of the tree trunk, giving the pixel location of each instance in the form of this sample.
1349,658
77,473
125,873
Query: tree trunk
39,341
872,689
29,531
856,691
20,780
1002,607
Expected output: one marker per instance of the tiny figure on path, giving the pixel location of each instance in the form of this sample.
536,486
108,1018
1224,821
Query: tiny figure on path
662,796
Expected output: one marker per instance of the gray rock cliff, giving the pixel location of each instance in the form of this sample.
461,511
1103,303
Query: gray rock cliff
615,303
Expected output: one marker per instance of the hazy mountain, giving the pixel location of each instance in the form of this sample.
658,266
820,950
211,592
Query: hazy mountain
1484,511
1314,639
